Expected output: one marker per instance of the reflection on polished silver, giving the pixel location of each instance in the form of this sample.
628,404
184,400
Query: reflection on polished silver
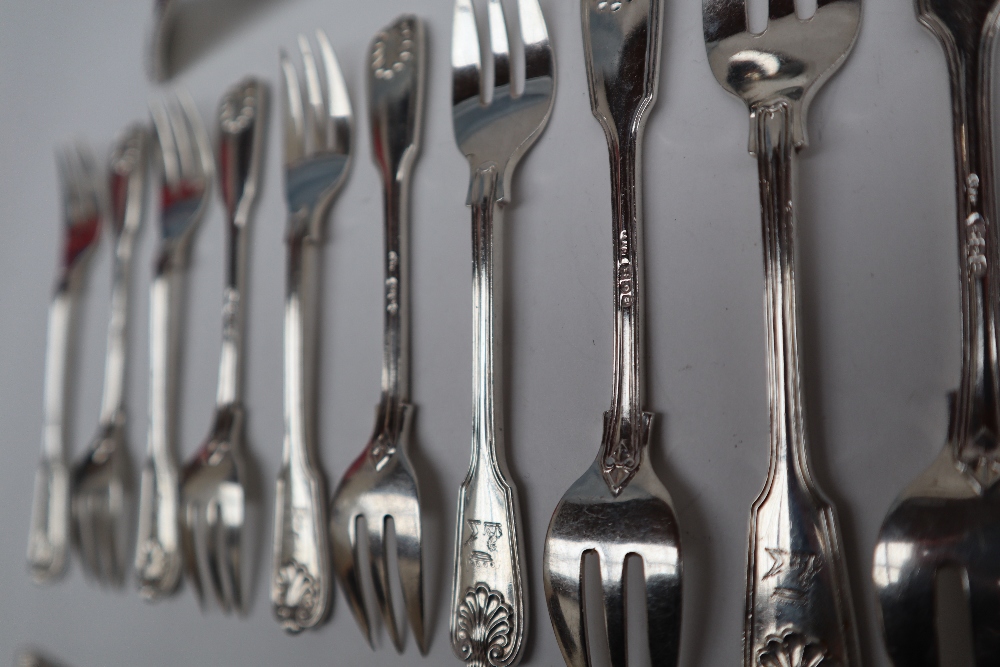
317,156
619,507
798,596
101,484
950,515
488,610
185,180
213,493
48,538
381,484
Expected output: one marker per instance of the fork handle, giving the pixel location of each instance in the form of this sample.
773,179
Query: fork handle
797,589
626,425
233,307
48,533
978,404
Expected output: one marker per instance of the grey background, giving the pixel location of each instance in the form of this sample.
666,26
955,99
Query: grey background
878,282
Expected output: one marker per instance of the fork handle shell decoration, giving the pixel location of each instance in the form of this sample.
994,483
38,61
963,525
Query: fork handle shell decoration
488,611
157,557
798,600
300,578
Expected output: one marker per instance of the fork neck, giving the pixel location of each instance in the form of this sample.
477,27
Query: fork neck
487,320
777,170
396,339
233,305
626,426
977,417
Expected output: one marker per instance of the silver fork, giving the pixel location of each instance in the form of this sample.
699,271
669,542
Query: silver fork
798,605
619,507
381,484
317,159
185,185
48,538
950,515
488,611
213,494
101,479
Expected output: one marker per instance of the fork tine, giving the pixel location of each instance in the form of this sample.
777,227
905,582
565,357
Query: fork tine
380,578
345,557
292,115
409,558
723,18
538,60
315,108
613,584
563,576
231,533
778,9
84,528
663,609
210,540
204,162
182,139
465,54
189,547
499,45
168,147
339,107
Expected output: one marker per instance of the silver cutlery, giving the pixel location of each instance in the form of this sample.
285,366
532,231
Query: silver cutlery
488,610
48,538
949,516
317,158
213,493
185,184
381,484
101,503
159,62
798,605
619,507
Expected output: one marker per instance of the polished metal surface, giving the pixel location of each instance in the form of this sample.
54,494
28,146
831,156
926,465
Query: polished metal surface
159,62
798,596
619,507
317,139
48,538
213,493
488,609
102,487
185,184
949,517
381,485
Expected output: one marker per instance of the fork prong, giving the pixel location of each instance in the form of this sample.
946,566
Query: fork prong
380,578
538,60
209,553
564,584
613,585
723,18
315,127
168,147
663,610
186,161
499,45
338,120
204,162
409,557
292,114
777,9
465,54
83,526
189,546
231,534
345,557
